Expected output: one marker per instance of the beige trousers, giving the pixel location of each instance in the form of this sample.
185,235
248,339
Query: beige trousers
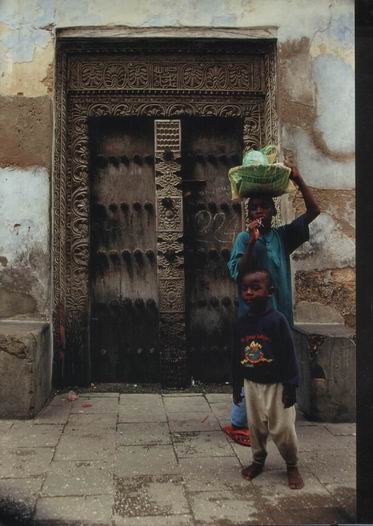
267,416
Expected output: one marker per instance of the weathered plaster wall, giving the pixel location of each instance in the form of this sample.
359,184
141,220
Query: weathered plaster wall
26,124
315,104
24,241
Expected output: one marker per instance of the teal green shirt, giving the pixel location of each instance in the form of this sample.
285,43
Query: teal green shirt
272,251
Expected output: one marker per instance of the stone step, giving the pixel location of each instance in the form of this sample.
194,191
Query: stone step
25,368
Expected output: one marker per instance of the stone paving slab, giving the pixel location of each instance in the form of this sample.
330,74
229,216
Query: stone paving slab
146,460
186,404
100,395
184,422
172,395
25,462
54,414
341,429
309,436
134,408
215,507
175,520
212,474
143,434
90,422
89,446
26,434
324,515
93,509
345,494
222,411
149,496
131,415
135,400
331,466
74,478
98,405
204,444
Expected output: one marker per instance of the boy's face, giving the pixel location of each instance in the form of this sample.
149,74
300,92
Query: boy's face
261,208
255,288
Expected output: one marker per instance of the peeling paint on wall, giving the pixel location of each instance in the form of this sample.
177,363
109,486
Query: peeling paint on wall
328,247
26,131
27,78
339,204
319,170
335,89
24,242
338,38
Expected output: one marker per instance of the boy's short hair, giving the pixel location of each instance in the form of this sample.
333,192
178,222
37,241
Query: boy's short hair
263,271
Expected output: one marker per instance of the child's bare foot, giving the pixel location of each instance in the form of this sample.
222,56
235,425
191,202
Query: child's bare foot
295,480
252,471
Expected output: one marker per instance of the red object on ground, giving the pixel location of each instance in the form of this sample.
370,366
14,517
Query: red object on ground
71,396
240,436
87,404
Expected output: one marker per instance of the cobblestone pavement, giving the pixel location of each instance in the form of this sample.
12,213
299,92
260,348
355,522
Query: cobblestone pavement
151,459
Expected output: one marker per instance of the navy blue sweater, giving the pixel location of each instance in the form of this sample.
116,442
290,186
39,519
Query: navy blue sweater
263,350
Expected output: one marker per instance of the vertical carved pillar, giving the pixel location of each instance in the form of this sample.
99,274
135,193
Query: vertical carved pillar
59,230
170,252
270,110
77,248
271,119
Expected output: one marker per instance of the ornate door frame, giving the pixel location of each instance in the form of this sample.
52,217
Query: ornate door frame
164,79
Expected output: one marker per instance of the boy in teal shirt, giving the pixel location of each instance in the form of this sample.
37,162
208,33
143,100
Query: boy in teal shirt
269,248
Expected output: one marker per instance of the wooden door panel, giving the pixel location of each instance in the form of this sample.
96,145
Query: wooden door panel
210,147
124,292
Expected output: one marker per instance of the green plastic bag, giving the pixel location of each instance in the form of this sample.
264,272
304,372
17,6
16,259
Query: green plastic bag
259,174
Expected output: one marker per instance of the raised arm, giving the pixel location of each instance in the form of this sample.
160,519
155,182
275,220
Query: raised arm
246,262
312,208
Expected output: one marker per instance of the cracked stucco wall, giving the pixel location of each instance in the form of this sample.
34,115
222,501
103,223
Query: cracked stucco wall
315,106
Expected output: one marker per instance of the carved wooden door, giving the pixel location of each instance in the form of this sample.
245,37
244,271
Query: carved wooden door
162,226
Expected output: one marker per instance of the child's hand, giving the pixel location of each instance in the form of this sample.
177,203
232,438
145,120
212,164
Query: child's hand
294,174
289,396
237,398
253,229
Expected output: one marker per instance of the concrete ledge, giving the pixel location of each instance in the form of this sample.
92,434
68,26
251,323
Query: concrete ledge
327,357
25,368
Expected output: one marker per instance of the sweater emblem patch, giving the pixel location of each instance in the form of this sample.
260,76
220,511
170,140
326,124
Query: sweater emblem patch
254,355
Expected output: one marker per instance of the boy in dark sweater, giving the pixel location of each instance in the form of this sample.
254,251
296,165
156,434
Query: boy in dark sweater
267,247
264,361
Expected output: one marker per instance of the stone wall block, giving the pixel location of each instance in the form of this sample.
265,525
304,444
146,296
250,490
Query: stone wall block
25,368
327,358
